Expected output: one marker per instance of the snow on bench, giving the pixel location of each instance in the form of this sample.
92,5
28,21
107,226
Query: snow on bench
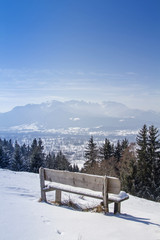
100,187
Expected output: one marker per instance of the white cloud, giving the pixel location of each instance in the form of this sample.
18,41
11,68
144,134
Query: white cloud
130,73
74,119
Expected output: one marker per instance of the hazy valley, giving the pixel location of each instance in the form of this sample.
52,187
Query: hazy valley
67,126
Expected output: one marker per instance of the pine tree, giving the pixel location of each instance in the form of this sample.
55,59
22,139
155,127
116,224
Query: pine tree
91,155
17,162
36,156
118,151
128,169
124,144
144,168
61,162
148,167
106,155
107,150
25,150
8,150
154,160
50,161
2,164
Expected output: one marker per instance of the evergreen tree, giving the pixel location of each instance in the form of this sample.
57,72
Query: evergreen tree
10,146
50,161
144,168
36,156
2,164
154,160
91,155
61,162
107,150
106,155
25,151
125,144
118,151
128,169
8,150
17,162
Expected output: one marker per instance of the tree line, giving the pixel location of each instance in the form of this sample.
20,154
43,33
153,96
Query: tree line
136,164
30,158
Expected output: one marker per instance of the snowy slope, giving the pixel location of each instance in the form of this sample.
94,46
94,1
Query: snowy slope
22,217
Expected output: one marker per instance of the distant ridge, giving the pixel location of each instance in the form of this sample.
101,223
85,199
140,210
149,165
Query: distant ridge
82,114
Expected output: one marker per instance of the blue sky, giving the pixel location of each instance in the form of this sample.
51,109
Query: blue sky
94,50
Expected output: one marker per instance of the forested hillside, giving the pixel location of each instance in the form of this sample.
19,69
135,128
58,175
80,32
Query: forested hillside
31,158
136,164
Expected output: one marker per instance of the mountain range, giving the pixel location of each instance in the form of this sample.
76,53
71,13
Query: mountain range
81,114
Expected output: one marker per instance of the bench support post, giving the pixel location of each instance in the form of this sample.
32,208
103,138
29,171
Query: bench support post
42,184
58,196
117,207
105,195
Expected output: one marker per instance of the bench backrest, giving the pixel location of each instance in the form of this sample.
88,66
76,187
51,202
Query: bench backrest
82,180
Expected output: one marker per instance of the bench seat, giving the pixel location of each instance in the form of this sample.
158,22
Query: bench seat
86,192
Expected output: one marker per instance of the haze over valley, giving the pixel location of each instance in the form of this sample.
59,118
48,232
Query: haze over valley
68,125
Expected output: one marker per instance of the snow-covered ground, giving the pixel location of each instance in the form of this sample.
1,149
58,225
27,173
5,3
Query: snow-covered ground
23,217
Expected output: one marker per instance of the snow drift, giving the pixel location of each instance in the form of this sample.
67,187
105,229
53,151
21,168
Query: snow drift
23,217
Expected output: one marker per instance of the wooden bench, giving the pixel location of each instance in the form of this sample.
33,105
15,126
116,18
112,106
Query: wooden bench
100,187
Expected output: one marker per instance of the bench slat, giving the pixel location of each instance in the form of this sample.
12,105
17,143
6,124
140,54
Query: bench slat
81,180
89,193
74,191
114,185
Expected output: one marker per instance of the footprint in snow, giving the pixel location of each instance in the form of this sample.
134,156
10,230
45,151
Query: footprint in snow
59,232
45,220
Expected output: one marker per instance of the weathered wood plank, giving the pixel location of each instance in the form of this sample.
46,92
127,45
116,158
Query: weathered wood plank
42,184
105,194
114,185
58,196
74,192
81,180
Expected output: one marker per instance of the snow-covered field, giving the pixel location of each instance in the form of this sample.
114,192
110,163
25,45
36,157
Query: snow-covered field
23,217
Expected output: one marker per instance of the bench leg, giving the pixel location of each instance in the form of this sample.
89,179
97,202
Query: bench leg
106,209
105,195
43,196
58,196
43,193
105,202
117,207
